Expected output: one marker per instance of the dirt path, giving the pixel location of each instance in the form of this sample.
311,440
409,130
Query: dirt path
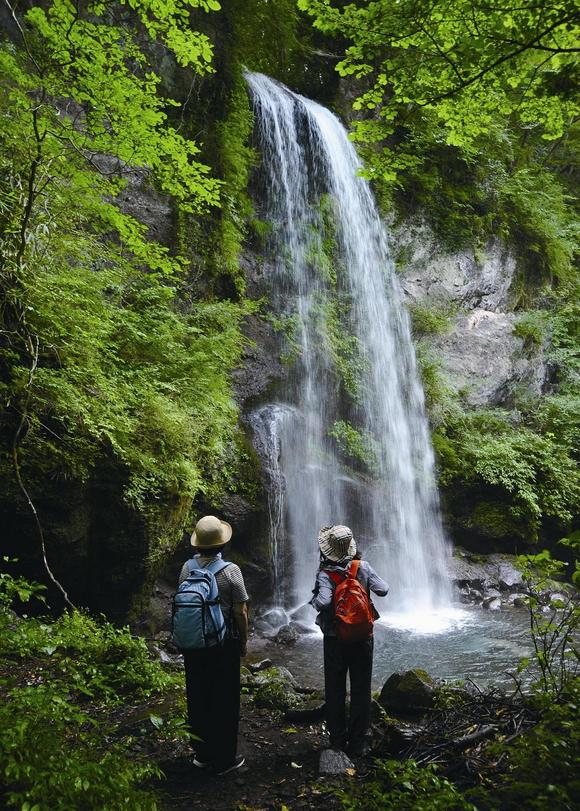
281,770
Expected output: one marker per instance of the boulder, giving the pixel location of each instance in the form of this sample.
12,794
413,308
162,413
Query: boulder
492,603
263,664
275,689
309,711
334,761
277,674
275,618
510,577
520,601
411,691
287,635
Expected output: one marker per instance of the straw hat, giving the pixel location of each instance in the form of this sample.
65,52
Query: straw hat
210,532
336,543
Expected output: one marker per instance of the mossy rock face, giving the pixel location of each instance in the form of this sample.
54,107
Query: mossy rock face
411,691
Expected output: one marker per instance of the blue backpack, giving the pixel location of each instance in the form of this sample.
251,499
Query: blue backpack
197,620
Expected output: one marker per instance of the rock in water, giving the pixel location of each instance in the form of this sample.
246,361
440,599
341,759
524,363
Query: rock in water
287,635
333,761
492,603
275,617
411,691
263,664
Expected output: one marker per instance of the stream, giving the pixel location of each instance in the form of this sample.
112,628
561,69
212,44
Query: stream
474,644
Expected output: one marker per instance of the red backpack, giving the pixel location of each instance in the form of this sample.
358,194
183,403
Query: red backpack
352,607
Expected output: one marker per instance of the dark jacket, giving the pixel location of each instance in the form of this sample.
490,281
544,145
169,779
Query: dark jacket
324,590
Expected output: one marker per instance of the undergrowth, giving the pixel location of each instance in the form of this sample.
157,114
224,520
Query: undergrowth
67,690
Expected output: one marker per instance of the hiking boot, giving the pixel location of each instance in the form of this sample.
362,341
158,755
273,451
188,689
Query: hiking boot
239,761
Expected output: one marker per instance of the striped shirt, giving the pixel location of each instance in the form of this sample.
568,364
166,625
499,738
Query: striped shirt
230,581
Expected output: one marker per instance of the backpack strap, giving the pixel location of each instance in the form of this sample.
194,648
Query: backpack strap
337,577
353,568
217,566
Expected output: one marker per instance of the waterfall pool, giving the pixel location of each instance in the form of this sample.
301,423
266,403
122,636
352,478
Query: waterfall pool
474,643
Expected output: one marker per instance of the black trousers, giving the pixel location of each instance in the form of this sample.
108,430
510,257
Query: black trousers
212,682
356,660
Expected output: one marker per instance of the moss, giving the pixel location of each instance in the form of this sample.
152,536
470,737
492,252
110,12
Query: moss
359,447
492,520
431,319
531,327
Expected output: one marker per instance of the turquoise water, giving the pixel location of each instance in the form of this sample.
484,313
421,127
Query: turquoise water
476,644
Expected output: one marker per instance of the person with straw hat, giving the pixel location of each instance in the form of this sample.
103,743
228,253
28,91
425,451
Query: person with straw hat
212,675
338,561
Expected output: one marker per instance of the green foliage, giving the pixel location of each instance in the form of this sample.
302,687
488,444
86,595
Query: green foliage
554,628
531,327
542,765
130,370
274,692
358,446
236,158
342,346
461,112
532,475
461,62
405,786
540,222
430,319
62,687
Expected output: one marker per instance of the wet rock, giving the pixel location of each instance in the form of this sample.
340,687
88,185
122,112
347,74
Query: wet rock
278,674
510,578
411,691
276,689
261,364
490,593
514,599
308,711
302,628
304,613
263,628
558,600
492,603
256,667
287,635
275,617
520,601
333,761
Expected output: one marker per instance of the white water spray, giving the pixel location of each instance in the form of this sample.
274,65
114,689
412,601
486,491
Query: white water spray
334,292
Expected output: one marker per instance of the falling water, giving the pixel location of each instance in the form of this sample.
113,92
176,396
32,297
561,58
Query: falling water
347,441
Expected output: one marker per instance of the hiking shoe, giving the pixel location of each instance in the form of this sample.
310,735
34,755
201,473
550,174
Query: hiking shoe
200,764
239,761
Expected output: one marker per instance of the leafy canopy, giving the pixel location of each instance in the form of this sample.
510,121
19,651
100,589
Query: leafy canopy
102,354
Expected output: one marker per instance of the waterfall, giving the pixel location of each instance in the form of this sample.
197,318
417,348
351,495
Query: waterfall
347,440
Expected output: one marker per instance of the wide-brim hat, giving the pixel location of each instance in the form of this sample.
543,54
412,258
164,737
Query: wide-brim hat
336,543
210,532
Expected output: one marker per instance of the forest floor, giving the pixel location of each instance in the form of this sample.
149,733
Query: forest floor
281,770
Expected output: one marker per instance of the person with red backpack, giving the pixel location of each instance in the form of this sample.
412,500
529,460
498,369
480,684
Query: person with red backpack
346,616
